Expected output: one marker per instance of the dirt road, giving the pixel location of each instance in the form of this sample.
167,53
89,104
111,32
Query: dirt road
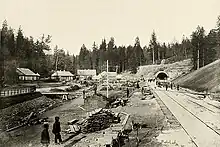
199,119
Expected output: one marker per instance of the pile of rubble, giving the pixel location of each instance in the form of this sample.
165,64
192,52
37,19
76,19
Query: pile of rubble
14,115
99,120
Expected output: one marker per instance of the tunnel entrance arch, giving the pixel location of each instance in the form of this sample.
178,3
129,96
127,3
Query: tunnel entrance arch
162,75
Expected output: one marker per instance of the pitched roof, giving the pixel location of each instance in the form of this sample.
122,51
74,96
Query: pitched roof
111,74
86,72
27,72
62,74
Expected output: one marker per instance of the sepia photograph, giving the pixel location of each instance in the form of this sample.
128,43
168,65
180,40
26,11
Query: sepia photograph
110,73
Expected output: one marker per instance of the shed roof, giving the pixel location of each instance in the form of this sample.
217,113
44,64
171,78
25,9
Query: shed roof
62,74
27,72
111,74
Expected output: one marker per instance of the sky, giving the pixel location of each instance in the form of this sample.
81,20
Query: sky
72,23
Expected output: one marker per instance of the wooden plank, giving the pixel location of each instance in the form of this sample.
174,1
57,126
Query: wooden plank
11,129
54,93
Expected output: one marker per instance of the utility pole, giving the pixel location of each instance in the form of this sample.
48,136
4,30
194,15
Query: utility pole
158,53
203,56
116,68
2,59
56,64
107,78
153,55
198,57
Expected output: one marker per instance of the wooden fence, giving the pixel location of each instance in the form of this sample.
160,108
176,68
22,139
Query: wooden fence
16,91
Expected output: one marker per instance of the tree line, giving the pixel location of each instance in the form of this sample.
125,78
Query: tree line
201,48
18,50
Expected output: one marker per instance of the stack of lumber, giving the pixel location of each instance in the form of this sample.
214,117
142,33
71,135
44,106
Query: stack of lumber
98,120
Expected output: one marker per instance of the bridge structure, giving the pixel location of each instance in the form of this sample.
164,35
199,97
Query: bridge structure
64,95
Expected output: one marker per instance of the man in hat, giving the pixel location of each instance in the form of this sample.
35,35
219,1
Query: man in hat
56,130
45,138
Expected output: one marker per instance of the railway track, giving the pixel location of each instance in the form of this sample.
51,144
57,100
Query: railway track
195,101
187,119
213,106
193,113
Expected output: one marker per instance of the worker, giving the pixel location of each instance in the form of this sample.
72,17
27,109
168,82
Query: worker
56,130
138,85
127,92
142,90
166,87
178,87
84,94
45,138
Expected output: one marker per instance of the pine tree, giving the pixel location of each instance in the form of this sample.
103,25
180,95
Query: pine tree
84,58
153,46
102,53
95,57
138,52
198,42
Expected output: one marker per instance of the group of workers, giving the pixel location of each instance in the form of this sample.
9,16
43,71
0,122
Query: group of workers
172,86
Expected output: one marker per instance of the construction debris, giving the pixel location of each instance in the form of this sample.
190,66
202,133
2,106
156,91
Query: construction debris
98,120
72,88
73,127
16,115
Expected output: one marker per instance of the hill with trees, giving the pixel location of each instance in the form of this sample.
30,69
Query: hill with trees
203,79
17,50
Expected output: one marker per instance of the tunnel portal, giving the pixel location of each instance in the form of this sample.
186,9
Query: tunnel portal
161,75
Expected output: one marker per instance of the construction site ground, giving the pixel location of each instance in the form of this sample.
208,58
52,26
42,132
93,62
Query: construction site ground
30,135
147,112
171,118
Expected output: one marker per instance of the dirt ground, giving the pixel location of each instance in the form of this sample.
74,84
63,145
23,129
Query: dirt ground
149,113
150,117
30,135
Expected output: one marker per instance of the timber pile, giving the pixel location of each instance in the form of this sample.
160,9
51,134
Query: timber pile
98,120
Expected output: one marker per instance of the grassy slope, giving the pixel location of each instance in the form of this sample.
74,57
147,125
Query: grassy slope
205,78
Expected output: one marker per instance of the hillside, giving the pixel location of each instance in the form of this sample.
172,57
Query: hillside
206,78
174,70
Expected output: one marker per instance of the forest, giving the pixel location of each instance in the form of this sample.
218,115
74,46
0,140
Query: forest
18,50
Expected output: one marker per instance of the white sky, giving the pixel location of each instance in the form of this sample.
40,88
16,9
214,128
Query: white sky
75,22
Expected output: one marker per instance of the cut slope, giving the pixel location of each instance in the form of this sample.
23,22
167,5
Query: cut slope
174,70
206,78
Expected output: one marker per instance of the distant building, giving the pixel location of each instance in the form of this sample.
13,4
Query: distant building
111,75
26,74
86,73
62,75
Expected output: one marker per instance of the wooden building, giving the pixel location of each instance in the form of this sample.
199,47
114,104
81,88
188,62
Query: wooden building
86,73
62,75
25,74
